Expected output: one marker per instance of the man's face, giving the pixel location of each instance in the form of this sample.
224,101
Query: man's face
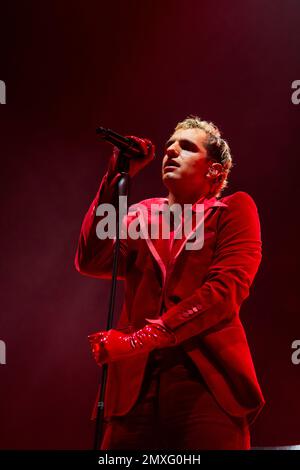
185,163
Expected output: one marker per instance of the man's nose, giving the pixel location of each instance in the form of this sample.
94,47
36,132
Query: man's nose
173,150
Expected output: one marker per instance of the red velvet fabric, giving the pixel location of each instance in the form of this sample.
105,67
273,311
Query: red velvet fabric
175,411
197,293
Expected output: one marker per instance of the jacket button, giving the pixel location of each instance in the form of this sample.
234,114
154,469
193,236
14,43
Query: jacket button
195,309
185,314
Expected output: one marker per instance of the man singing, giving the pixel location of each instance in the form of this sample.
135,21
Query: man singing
180,373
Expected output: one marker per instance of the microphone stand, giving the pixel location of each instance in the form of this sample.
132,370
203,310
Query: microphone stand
122,190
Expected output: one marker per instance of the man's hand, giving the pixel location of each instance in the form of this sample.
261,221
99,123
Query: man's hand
112,345
135,163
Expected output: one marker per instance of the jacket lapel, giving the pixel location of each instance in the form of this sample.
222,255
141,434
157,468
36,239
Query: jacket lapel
151,220
154,220
199,214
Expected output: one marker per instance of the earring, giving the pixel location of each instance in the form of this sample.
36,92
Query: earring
211,173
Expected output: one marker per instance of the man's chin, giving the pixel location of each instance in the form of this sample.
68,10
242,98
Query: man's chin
169,175
170,179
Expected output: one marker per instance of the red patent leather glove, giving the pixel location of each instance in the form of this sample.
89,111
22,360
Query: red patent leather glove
113,345
135,163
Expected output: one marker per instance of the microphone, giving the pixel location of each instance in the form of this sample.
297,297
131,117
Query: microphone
128,147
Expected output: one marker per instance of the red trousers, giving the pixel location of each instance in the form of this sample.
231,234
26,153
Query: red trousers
174,411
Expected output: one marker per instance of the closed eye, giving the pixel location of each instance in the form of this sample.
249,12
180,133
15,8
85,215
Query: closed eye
188,145
185,144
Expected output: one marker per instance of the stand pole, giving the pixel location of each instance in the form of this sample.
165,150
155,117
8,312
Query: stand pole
123,190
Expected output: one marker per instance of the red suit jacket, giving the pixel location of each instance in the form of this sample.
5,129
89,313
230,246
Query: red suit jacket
197,293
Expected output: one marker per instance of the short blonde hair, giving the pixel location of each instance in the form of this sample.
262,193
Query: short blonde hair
217,148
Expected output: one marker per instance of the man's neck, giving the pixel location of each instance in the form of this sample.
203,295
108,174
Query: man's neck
186,199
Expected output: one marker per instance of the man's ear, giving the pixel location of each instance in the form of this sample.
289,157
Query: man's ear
214,171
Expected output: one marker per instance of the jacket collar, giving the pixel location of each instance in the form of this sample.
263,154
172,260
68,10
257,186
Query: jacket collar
196,207
147,214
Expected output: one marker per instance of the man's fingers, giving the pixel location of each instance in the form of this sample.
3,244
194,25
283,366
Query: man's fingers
146,146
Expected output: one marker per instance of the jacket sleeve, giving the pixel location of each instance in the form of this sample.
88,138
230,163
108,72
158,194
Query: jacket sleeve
94,256
230,275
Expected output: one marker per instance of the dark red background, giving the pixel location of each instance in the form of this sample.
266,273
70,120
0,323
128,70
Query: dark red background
137,67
